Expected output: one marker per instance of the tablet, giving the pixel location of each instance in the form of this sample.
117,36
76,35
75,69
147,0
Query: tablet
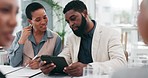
60,63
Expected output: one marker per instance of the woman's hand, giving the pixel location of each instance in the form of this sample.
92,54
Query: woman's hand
34,64
25,34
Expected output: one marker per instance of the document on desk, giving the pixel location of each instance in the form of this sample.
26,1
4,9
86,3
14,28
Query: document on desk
25,72
5,69
10,71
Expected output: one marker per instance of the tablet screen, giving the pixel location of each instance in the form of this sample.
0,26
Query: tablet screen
60,63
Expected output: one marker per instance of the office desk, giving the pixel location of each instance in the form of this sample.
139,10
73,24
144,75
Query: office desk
29,73
45,76
18,72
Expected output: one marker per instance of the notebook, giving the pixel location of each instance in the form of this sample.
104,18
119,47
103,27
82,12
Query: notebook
19,71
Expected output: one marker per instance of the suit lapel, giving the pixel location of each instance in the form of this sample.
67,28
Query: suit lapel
76,49
96,42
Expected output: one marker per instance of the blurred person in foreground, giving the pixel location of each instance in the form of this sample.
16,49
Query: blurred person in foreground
89,43
34,40
8,12
138,72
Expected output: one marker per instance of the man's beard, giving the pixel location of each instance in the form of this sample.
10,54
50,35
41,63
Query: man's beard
81,29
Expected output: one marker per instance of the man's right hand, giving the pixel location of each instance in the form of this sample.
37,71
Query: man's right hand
25,34
47,68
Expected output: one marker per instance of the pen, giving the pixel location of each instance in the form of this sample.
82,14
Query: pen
32,59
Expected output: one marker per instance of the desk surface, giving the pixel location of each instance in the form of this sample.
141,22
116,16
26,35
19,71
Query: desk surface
25,73
18,72
45,76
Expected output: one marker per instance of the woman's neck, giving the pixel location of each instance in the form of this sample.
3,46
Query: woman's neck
38,33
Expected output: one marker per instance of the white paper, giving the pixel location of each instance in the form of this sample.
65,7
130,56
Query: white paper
18,72
25,72
6,69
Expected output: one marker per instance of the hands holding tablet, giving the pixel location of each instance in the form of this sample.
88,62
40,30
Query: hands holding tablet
75,69
47,68
52,64
56,65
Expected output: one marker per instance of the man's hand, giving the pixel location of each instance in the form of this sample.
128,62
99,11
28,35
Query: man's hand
75,69
46,69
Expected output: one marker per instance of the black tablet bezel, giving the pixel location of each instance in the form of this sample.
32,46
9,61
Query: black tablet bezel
60,63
